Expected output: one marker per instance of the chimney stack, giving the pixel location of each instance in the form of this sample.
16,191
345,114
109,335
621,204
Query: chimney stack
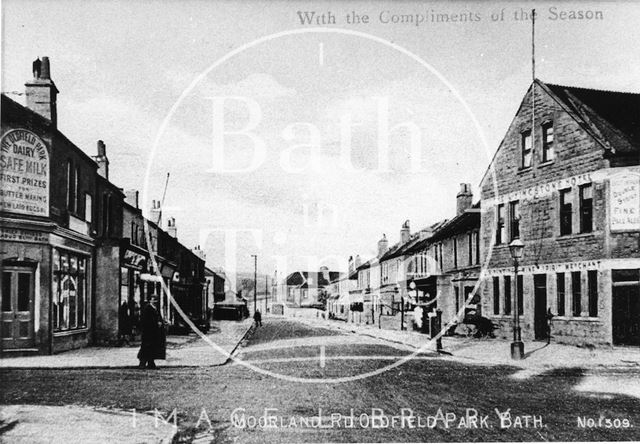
325,274
200,253
155,215
102,160
131,197
41,92
171,227
405,233
358,261
383,245
464,199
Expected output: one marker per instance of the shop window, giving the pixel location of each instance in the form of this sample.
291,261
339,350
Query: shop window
526,149
592,285
560,293
477,243
500,234
548,153
566,197
514,220
507,295
576,292
496,295
586,208
69,291
520,290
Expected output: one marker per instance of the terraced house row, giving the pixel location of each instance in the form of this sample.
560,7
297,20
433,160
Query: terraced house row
565,181
78,257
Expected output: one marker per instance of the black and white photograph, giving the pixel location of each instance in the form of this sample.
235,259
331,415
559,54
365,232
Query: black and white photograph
322,221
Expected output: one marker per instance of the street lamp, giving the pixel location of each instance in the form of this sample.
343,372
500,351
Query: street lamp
516,248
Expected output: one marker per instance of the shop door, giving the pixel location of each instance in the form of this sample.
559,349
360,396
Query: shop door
626,314
17,308
540,309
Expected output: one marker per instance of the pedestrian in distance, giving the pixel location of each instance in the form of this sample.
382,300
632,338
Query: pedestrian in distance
549,318
153,335
257,317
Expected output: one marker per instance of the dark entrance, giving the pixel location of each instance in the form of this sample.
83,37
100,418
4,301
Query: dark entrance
17,307
626,307
540,308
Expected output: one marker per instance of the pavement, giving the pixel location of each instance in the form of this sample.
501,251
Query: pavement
539,356
81,424
182,351
33,424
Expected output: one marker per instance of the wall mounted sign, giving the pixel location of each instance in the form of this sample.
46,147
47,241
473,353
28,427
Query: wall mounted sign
624,202
24,174
20,235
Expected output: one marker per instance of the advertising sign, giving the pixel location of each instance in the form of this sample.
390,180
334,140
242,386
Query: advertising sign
625,202
24,174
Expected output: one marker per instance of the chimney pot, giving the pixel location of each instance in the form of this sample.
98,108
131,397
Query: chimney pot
45,71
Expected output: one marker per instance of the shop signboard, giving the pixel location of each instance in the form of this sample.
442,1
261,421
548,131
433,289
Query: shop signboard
24,174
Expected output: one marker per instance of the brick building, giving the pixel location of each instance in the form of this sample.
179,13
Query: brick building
308,288
565,180
51,227
72,249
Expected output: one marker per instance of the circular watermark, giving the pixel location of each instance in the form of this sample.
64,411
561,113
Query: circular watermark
279,239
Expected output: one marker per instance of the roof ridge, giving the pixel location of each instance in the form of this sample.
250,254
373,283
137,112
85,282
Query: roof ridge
592,89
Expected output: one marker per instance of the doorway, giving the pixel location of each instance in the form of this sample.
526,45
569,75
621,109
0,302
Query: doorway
540,306
17,307
626,314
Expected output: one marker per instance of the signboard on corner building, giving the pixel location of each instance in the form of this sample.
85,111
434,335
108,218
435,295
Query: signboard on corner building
624,202
24,173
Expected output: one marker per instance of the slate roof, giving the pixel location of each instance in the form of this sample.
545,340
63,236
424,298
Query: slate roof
614,117
14,112
304,279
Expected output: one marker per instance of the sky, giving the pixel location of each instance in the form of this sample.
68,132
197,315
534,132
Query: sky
344,132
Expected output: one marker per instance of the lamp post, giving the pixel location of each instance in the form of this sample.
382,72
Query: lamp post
516,248
255,282
397,290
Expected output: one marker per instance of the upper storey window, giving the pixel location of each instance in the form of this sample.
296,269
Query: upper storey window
526,149
548,153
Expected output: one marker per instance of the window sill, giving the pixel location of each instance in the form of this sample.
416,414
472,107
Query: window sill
576,318
523,170
577,235
70,332
547,163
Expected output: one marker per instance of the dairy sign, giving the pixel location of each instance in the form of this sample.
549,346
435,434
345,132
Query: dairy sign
24,174
625,202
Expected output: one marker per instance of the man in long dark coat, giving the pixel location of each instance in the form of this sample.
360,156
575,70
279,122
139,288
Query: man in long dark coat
153,335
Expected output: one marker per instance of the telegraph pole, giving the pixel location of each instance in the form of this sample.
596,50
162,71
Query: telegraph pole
266,292
255,282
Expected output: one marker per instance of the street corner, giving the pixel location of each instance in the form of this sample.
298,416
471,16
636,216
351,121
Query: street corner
35,424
